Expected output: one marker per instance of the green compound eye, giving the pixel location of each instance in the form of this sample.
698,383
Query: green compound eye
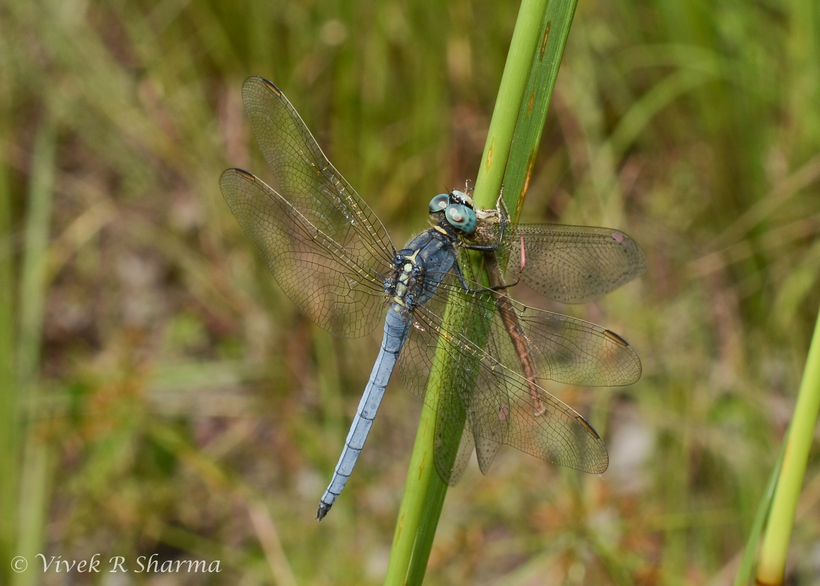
439,203
461,217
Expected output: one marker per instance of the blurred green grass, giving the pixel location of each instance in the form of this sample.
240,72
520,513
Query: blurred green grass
172,400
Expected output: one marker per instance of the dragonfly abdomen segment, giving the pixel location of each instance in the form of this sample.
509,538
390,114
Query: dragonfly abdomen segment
396,327
417,273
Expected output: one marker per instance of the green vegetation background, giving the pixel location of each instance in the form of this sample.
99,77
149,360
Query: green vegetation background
173,401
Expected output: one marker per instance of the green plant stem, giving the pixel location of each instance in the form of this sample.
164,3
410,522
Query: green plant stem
798,443
515,131
532,112
34,482
8,388
744,572
509,102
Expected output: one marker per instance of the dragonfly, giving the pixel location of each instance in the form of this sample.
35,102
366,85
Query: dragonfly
333,258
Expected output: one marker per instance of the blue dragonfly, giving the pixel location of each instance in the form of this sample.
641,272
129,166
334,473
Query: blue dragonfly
334,259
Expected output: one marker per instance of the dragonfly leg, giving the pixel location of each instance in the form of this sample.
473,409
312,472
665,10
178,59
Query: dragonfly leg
502,226
464,285
538,408
500,205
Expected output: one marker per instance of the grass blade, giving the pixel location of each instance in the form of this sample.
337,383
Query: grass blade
34,481
8,388
744,572
798,443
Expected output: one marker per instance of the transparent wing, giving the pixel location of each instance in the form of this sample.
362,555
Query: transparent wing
570,264
565,349
306,179
338,289
325,246
573,351
485,391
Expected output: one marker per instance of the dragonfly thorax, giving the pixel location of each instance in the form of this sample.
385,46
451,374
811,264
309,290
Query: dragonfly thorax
419,269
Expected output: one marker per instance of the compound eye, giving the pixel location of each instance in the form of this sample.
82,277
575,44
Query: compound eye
439,203
461,217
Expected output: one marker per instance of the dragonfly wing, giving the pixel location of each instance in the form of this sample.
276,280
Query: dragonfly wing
571,264
451,466
337,288
538,422
451,458
485,451
305,178
572,351
481,389
458,404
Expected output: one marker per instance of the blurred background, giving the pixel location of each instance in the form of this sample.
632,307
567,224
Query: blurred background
173,401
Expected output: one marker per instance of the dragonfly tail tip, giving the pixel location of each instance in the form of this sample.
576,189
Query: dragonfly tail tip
322,511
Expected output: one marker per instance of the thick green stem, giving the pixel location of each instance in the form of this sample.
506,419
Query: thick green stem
513,137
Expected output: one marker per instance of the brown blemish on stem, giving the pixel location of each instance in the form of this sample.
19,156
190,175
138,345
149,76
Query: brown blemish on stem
544,40
527,176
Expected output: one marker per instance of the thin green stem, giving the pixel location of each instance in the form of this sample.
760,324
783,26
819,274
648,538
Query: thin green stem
8,388
798,443
744,572
34,481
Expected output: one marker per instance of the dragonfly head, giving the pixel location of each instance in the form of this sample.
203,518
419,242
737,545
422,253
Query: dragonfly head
458,210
